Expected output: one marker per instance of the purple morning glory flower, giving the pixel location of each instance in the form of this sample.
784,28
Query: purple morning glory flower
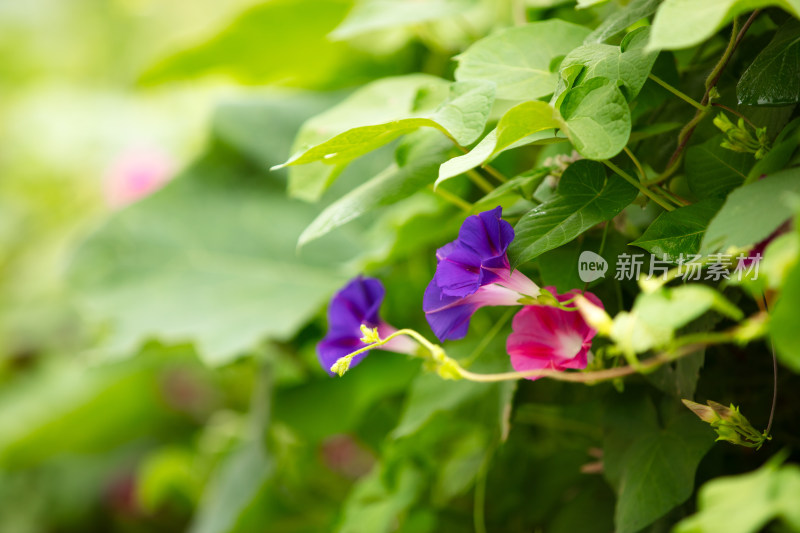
355,304
473,271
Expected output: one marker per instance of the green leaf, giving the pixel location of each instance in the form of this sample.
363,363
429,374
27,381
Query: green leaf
262,127
370,16
778,157
684,23
621,19
430,395
596,118
747,503
275,42
520,59
675,307
522,186
350,397
376,114
680,377
712,170
457,471
423,153
234,486
657,315
376,502
462,117
167,267
652,466
751,213
585,197
772,77
55,400
520,121
678,232
165,475
628,64
783,320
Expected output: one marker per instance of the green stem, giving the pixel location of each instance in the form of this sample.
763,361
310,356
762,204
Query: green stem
479,505
683,96
488,337
585,377
493,172
711,81
599,251
644,190
637,164
738,114
774,375
452,198
671,197
479,180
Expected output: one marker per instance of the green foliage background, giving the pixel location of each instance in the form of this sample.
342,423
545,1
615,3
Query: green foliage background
157,361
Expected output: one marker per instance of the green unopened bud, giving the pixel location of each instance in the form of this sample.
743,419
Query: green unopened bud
729,423
728,433
723,123
704,412
370,335
725,413
547,298
594,315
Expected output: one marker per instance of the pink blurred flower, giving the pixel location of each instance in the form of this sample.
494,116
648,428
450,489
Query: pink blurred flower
135,174
548,338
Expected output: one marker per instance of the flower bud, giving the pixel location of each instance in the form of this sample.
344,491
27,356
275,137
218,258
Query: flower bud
594,315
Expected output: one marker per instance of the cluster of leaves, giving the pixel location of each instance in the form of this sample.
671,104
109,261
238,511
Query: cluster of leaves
205,408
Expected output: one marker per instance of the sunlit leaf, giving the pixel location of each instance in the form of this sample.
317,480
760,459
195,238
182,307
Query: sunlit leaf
520,60
596,118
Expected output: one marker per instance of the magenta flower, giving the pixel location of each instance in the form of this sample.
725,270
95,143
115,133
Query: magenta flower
473,271
757,252
548,338
136,174
355,304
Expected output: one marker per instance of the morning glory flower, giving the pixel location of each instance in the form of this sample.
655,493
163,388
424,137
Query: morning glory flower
473,271
356,304
549,338
135,174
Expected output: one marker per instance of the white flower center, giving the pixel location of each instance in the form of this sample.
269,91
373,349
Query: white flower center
571,345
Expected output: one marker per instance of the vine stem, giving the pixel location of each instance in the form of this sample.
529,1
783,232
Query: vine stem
493,172
734,112
480,181
479,505
452,198
683,96
644,190
737,35
589,377
674,198
774,375
643,176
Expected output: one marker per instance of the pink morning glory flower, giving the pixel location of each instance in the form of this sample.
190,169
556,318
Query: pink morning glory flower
135,174
549,338
355,304
473,271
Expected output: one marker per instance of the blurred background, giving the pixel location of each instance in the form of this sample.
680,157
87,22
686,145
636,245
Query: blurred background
147,256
